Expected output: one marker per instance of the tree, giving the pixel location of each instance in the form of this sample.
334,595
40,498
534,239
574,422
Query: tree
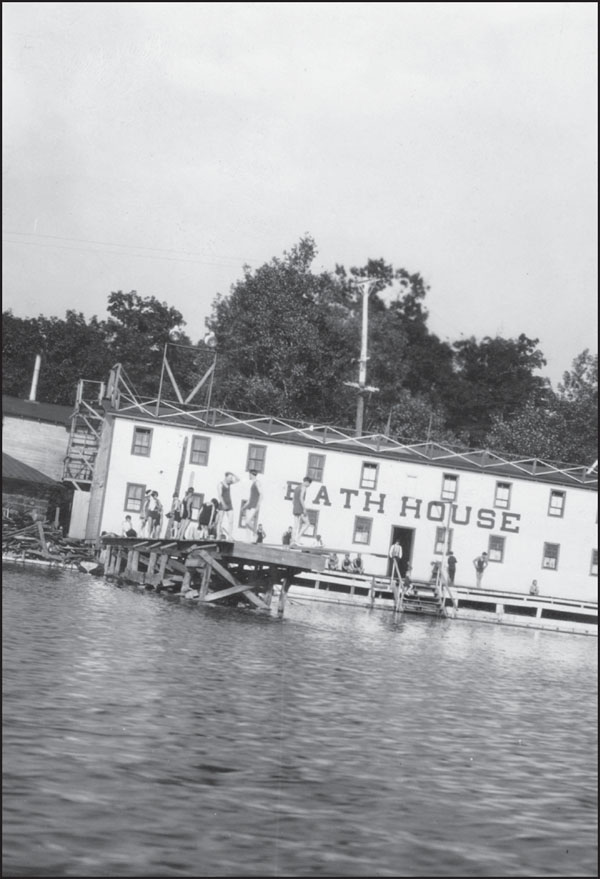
565,429
494,380
136,333
70,349
283,345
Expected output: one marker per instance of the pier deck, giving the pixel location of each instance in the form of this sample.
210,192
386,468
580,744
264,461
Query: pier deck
209,571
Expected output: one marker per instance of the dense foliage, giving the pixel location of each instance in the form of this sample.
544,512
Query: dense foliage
288,344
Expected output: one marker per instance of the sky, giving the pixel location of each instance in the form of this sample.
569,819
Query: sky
160,147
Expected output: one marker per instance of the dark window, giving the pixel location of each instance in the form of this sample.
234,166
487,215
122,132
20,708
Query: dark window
199,450
134,497
594,565
440,540
316,465
256,458
142,441
362,530
550,557
368,475
496,548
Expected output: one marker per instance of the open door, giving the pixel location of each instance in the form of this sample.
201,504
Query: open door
406,537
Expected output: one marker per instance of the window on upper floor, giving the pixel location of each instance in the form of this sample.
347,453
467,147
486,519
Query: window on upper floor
594,564
502,495
449,487
368,475
142,441
256,458
134,497
315,467
496,548
556,505
550,556
199,450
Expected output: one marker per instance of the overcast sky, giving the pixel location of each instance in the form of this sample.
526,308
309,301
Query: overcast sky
160,147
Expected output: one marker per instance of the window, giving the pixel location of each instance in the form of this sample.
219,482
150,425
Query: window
440,540
256,458
496,548
142,441
449,487
313,518
199,450
550,557
556,507
315,467
502,496
594,565
362,530
368,475
134,497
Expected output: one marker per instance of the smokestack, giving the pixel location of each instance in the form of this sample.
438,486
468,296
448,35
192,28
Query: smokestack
36,375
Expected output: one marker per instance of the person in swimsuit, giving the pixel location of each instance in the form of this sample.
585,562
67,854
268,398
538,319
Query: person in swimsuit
225,517
251,507
299,512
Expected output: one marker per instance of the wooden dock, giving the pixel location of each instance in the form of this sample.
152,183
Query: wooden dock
209,571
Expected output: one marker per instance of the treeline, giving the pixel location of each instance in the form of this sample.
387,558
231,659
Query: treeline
288,342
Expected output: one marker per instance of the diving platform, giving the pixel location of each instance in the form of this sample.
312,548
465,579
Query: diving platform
209,571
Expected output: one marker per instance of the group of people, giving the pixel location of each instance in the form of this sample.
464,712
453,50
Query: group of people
348,565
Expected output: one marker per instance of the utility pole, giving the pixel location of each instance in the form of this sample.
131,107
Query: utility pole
362,386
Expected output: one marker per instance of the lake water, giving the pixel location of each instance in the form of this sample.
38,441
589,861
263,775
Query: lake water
143,737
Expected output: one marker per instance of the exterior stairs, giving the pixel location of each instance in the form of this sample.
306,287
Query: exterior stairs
424,598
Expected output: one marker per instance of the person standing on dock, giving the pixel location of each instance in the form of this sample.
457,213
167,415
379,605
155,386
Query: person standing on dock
299,511
174,517
260,534
287,537
225,517
480,563
207,517
251,507
186,513
156,509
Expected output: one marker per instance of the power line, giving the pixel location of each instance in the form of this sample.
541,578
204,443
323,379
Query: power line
118,253
190,253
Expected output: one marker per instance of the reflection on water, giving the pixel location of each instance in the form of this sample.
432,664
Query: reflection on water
146,738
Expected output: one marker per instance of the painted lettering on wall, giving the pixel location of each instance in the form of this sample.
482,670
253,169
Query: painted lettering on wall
413,507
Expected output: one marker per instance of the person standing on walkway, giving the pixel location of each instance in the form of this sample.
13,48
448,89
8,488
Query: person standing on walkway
260,534
287,537
299,511
156,511
480,563
451,566
225,518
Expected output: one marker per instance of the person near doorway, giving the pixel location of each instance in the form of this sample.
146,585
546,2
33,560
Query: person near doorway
185,513
251,507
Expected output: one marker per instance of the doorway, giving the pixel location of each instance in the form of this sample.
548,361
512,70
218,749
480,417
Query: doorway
405,536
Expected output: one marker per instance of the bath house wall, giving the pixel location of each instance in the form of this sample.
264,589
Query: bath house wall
531,530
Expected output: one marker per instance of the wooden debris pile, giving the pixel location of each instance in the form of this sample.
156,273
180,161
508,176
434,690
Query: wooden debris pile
39,542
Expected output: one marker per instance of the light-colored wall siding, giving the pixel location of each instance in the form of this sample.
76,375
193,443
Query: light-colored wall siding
36,443
575,532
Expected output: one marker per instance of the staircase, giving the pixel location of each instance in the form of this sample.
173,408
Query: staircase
425,598
84,438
